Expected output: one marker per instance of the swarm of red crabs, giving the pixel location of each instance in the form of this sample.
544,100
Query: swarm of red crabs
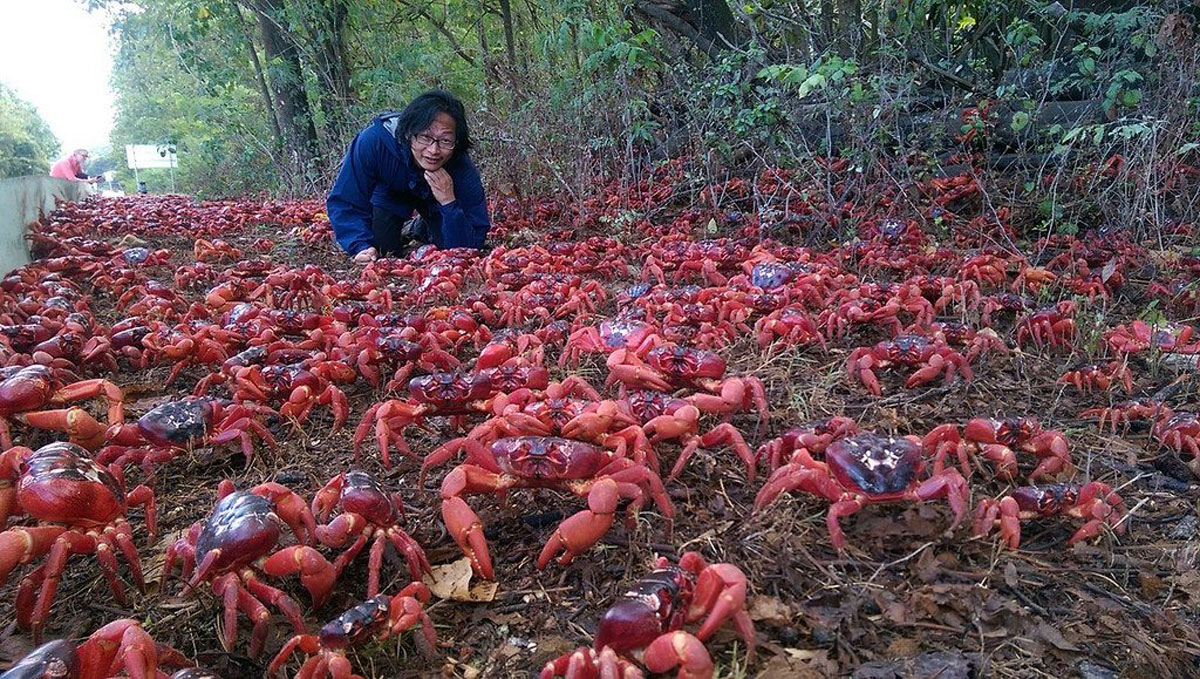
600,376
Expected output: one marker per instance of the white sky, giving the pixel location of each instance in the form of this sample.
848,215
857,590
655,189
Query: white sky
58,57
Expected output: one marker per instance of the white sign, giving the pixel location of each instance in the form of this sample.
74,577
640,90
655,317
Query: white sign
146,156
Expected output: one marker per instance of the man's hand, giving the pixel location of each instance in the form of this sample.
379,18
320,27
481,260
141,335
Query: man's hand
365,256
441,184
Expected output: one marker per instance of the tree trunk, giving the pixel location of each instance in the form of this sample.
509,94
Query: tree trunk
268,102
506,15
849,27
826,25
707,23
287,81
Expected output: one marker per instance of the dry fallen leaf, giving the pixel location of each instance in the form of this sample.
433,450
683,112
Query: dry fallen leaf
770,610
1054,637
800,664
453,581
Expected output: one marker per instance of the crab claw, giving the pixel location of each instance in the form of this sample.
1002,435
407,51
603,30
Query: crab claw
464,526
579,532
316,573
121,643
682,650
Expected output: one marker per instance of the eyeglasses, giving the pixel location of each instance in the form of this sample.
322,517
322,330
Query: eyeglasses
443,144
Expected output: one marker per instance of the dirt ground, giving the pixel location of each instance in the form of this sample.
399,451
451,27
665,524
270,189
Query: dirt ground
908,598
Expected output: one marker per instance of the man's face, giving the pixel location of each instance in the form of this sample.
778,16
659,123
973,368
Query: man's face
82,156
432,147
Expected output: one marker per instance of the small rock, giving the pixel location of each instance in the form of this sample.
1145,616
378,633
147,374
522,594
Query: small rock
877,669
1090,670
1186,528
291,477
788,636
942,665
823,636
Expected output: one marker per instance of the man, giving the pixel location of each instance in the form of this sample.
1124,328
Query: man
71,168
414,160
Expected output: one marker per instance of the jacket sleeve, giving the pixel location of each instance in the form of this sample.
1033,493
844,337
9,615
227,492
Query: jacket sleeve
465,222
349,201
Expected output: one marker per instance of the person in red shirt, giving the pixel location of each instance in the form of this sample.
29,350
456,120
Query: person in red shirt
71,168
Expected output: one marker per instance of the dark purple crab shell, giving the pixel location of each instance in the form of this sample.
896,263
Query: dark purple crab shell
877,465
1047,499
768,275
243,526
179,424
548,458
53,660
358,623
907,349
363,495
654,604
135,255
450,391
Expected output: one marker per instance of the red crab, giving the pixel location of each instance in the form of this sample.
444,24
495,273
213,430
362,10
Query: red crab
453,394
546,462
792,326
1096,503
997,441
679,420
1180,431
866,469
373,352
302,386
668,367
369,514
1172,338
599,422
618,333
813,438
24,390
929,356
1050,325
1121,415
161,433
80,508
121,645
238,541
1096,376
378,618
645,627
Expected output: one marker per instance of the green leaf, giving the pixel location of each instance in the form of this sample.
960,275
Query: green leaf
1131,98
1020,121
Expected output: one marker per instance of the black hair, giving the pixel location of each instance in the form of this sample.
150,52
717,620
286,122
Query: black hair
419,115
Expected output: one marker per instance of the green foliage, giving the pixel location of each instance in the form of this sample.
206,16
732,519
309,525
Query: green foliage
592,90
27,146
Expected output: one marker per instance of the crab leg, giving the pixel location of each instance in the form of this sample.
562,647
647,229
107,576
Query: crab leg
306,643
418,563
64,546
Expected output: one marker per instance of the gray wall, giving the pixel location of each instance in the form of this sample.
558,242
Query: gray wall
23,201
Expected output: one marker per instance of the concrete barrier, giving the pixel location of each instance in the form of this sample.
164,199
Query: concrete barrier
23,201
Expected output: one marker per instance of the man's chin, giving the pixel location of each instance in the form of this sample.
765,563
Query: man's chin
428,166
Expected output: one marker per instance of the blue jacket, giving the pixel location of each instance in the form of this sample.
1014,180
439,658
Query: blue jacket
379,171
